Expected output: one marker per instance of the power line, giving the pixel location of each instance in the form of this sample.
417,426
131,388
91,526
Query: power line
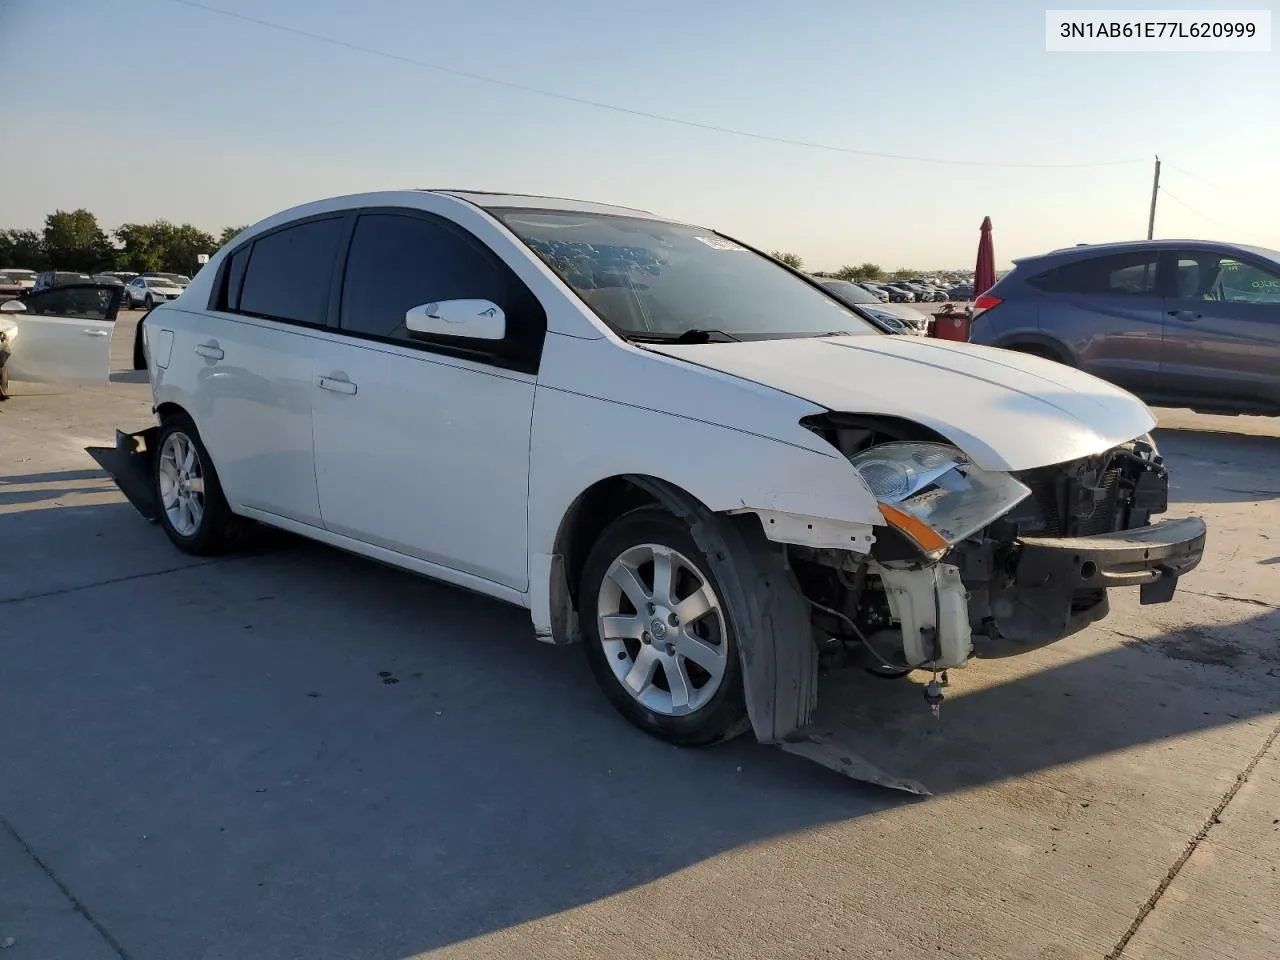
599,104
1207,183
1205,216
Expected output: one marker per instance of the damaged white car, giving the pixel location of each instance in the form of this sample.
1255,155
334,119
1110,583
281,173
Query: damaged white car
692,460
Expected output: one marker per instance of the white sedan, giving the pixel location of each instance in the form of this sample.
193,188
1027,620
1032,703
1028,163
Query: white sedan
667,447
149,291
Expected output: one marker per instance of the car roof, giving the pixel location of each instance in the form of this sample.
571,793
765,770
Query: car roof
1135,246
491,200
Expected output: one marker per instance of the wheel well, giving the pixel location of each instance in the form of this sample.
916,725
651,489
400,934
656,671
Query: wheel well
596,507
167,410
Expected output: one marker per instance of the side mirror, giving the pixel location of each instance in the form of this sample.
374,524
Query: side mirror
471,319
13,306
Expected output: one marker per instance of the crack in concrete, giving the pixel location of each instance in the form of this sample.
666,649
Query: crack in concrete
1227,596
62,591
107,936
1241,779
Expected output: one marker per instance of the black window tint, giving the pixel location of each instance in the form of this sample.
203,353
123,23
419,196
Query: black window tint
1126,273
288,274
232,279
398,262
88,302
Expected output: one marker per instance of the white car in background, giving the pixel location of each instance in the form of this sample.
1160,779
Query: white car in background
148,291
663,444
910,319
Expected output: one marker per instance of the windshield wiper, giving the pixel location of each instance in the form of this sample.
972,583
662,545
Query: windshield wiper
695,335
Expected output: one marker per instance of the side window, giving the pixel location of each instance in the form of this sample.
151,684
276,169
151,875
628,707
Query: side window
1244,283
1131,274
398,262
1210,276
82,302
288,273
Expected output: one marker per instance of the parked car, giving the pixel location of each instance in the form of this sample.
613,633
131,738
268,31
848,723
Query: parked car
24,279
894,294
1186,323
124,276
61,334
11,285
108,278
881,295
900,318
961,291
149,289
179,279
657,439
908,295
59,278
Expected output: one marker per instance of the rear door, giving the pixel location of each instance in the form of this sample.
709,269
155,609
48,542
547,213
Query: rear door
1222,331
1109,311
63,335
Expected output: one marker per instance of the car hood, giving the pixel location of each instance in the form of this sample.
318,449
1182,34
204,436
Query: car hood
1005,410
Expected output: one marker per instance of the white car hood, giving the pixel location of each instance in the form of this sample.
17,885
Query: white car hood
1006,411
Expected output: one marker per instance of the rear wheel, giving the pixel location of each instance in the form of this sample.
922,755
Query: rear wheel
193,511
657,632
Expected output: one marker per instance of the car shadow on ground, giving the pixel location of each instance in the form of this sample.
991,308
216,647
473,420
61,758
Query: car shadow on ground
302,749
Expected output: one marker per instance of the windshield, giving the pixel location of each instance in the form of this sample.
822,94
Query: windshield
650,278
850,292
160,281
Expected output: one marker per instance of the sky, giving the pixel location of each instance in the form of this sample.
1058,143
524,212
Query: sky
147,109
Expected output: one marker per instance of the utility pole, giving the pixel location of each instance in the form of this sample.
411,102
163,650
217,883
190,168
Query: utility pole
1155,188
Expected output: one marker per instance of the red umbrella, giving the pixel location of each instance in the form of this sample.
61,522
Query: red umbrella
984,274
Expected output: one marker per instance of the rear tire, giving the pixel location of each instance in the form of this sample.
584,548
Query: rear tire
668,660
193,511
139,349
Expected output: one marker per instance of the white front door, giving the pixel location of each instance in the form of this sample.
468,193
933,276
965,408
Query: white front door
62,336
424,455
422,445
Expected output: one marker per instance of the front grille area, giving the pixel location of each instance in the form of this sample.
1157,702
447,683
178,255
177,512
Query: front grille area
1089,496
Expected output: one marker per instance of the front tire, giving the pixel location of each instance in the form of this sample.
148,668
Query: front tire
657,631
149,302
193,511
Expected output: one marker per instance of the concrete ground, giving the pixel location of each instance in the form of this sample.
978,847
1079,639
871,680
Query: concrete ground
294,753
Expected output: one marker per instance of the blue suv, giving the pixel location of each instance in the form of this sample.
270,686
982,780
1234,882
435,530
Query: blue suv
1181,323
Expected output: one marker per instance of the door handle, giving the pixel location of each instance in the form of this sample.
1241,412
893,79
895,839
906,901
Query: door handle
210,351
95,333
334,385
1188,315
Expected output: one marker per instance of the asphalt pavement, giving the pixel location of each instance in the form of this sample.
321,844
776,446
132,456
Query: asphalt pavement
295,753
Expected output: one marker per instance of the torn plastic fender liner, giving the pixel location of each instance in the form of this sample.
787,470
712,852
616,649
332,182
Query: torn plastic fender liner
775,643
129,464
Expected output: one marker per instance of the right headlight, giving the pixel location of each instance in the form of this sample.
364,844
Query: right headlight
933,494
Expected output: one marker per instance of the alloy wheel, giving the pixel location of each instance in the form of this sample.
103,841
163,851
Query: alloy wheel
181,484
663,629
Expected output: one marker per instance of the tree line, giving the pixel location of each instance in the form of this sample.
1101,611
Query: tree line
864,271
73,240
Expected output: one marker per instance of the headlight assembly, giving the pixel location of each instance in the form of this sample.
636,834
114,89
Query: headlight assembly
931,493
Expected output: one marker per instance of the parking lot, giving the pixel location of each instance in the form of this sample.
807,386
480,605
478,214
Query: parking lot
292,752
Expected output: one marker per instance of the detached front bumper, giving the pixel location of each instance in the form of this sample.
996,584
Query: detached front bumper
1059,585
1151,557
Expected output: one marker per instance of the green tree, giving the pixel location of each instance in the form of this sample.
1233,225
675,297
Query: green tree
228,234
22,248
792,260
904,273
74,241
162,246
868,271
